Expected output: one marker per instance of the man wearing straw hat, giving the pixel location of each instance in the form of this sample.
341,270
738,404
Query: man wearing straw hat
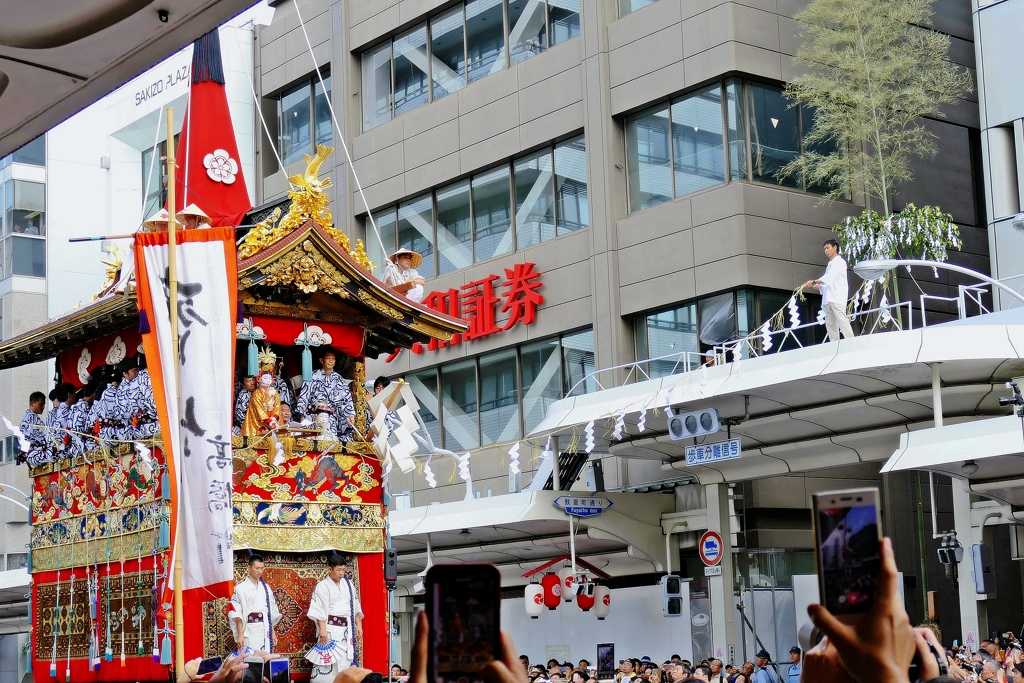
157,222
400,274
192,217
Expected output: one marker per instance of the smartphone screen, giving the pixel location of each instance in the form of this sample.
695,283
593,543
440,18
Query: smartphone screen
847,535
254,674
279,671
463,607
208,666
605,661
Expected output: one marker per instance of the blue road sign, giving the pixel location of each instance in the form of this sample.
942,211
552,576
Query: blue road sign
583,506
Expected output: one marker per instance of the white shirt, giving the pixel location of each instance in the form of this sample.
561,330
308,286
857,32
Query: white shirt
835,287
396,276
332,599
252,597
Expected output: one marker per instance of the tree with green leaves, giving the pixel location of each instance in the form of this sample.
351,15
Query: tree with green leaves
873,70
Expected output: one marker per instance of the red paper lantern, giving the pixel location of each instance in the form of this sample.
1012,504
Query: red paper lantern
552,590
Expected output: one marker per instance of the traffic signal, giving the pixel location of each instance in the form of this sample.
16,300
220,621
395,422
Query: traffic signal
671,596
697,423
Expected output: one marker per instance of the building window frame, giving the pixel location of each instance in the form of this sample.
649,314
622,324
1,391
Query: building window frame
745,136
313,91
505,55
563,389
560,226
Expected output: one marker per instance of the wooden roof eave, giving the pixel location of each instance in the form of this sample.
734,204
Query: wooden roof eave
80,326
402,322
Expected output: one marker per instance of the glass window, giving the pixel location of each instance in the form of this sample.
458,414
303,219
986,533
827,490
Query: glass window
459,406
424,387
571,185
8,205
492,227
666,333
774,135
578,361
825,147
499,398
28,256
535,202
746,309
3,210
485,38
737,137
416,231
717,315
33,153
564,16
376,90
411,89
447,53
527,26
698,154
385,221
648,158
17,561
542,381
295,127
627,6
322,112
454,236
27,210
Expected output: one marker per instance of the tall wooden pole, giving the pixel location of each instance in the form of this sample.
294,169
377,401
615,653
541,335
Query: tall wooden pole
172,282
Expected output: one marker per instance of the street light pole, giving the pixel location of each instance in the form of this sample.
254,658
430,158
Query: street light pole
873,269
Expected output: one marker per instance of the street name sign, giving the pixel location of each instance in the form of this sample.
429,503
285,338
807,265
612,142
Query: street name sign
583,506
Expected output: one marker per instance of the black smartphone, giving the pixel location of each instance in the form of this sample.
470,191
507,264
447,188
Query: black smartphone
847,537
208,666
464,611
254,674
605,661
279,671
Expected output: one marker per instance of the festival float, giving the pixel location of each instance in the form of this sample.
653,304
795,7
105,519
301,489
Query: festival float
136,542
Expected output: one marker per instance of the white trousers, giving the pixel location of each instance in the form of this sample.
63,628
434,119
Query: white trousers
836,321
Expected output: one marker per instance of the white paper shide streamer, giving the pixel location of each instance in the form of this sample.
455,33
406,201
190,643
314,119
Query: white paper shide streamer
428,474
620,425
641,424
589,444
513,458
463,466
766,337
794,312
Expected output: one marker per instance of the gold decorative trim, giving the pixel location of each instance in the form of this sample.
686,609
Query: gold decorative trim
376,304
307,270
302,539
432,330
97,551
91,456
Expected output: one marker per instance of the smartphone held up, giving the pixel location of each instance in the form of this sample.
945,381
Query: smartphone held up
464,611
847,537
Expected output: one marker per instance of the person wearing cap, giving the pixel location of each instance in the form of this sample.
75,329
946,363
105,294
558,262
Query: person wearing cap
192,217
400,274
338,615
761,672
794,669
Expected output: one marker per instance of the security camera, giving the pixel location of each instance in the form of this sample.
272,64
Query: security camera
969,467
164,16
1018,222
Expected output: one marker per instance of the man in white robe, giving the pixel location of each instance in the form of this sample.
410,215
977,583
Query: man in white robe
338,615
253,611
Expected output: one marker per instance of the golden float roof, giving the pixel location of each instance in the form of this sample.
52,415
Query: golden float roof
110,314
334,287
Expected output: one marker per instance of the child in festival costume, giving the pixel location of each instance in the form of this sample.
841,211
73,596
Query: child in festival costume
264,412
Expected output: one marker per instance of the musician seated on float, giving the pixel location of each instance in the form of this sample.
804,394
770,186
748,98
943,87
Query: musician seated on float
34,430
328,387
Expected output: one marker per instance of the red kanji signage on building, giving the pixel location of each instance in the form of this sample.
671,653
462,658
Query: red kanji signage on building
480,302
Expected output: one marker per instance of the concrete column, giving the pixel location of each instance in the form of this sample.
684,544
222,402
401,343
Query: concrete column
720,588
965,534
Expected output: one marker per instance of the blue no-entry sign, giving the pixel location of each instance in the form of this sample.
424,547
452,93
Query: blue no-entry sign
710,548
